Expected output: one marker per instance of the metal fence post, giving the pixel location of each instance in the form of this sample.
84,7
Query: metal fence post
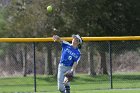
110,61
34,53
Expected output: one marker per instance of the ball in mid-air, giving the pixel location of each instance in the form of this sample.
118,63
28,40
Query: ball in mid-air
49,9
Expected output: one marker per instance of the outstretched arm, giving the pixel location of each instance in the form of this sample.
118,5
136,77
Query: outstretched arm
74,67
57,38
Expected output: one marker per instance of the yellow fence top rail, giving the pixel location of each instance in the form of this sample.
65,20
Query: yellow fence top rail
49,39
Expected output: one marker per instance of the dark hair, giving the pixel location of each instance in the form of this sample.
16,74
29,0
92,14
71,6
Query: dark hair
79,46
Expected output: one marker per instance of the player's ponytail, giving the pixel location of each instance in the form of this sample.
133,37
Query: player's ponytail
79,46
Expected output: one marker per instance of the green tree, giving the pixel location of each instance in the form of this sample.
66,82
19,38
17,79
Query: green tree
103,18
2,21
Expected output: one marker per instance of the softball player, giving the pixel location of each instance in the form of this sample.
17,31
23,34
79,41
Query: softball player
69,59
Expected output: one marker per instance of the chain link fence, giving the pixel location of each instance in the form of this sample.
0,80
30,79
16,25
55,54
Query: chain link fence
17,65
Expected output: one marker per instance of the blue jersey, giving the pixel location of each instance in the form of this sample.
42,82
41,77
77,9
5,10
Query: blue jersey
69,54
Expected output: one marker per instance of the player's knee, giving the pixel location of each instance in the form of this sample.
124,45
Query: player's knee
62,91
61,88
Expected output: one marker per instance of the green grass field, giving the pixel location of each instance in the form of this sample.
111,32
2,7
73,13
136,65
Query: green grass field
122,83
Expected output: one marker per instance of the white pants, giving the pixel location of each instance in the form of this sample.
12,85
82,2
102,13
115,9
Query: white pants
60,77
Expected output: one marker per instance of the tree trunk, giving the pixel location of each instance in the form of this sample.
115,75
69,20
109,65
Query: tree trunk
56,59
24,60
103,68
7,61
48,60
90,60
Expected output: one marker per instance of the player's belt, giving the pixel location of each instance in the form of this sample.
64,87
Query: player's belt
64,65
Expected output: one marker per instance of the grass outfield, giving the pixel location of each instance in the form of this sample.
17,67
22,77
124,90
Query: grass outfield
126,83
105,91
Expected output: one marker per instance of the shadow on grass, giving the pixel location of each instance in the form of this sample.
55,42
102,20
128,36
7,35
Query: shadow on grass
126,77
18,85
93,79
78,79
50,78
90,79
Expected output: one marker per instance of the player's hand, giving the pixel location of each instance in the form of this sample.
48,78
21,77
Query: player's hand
56,38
